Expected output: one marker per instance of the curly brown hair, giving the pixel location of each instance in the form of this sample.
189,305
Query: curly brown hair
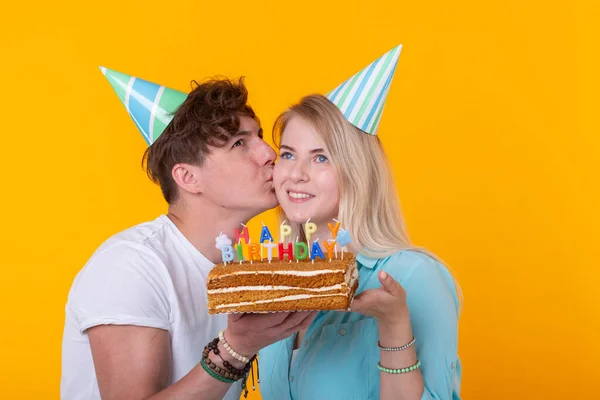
208,117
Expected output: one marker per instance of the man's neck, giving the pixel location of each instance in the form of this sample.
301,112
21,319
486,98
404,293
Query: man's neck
202,226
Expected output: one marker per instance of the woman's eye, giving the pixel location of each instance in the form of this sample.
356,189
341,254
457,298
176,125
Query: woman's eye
321,158
286,156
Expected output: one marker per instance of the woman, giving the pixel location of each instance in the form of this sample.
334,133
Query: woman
329,169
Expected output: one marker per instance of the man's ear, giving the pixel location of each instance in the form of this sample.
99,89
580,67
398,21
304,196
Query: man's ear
188,177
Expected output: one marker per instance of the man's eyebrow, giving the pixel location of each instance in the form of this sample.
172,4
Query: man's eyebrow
241,133
247,133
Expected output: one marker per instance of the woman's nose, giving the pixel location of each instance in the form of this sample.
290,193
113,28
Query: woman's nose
299,172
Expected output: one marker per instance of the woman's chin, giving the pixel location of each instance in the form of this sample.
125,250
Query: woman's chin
295,216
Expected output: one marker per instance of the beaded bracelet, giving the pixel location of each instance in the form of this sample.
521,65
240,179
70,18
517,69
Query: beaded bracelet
406,346
213,346
236,375
399,370
232,352
218,370
214,374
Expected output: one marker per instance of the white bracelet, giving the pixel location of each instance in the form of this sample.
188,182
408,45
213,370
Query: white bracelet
231,351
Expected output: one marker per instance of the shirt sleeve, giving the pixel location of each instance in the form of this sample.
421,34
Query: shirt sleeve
122,285
433,304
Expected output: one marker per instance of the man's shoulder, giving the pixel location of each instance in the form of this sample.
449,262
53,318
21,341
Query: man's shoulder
143,242
130,257
143,234
125,281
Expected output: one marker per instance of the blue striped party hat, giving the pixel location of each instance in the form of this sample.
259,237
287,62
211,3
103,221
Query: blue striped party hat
362,97
150,105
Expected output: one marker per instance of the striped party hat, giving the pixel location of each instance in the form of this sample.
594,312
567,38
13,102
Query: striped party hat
150,105
362,97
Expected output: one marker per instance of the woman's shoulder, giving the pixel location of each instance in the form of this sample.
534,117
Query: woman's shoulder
407,261
415,266
421,272
401,265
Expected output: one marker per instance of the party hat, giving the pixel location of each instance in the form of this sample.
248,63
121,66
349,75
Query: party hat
151,106
362,97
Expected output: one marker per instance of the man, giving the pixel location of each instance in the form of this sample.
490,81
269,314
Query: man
137,319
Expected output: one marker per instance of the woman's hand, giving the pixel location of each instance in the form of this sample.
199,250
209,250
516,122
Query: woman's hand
387,304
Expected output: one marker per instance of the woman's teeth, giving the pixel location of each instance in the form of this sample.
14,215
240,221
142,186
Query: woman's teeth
299,195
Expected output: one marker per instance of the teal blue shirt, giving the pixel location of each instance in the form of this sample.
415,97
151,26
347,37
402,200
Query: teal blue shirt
338,356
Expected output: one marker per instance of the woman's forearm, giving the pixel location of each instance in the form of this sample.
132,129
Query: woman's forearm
399,386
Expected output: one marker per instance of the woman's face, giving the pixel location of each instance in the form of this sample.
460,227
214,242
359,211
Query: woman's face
304,178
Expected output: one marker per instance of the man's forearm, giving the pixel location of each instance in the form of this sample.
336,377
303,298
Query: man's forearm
196,385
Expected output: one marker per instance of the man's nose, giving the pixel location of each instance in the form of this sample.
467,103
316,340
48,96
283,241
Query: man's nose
266,154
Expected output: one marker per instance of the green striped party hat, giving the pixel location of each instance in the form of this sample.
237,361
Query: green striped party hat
362,97
151,106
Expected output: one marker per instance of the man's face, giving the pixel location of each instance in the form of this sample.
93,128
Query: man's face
239,175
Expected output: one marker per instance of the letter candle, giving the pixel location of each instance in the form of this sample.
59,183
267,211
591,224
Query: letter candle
288,250
243,235
284,231
334,232
223,243
240,253
309,229
265,235
270,247
300,251
329,247
316,251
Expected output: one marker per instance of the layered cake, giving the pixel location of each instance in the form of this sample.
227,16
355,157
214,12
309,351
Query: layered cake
281,285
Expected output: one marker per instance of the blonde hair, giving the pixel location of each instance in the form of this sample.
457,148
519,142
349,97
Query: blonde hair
369,206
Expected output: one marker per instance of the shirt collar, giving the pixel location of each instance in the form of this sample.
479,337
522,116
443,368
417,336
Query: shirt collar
366,261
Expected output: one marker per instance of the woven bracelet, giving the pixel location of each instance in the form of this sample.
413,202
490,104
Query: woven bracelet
214,374
399,370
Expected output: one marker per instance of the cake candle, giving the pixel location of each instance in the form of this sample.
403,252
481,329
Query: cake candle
316,251
343,238
329,247
223,243
300,251
270,246
242,235
334,229
309,229
284,231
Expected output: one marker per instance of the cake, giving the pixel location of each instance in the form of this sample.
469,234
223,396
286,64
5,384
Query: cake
281,285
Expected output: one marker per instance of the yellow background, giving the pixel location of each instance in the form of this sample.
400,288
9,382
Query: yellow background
490,125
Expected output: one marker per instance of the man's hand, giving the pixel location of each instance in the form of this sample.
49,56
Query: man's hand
248,333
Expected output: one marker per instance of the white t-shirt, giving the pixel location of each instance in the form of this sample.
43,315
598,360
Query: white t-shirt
149,275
